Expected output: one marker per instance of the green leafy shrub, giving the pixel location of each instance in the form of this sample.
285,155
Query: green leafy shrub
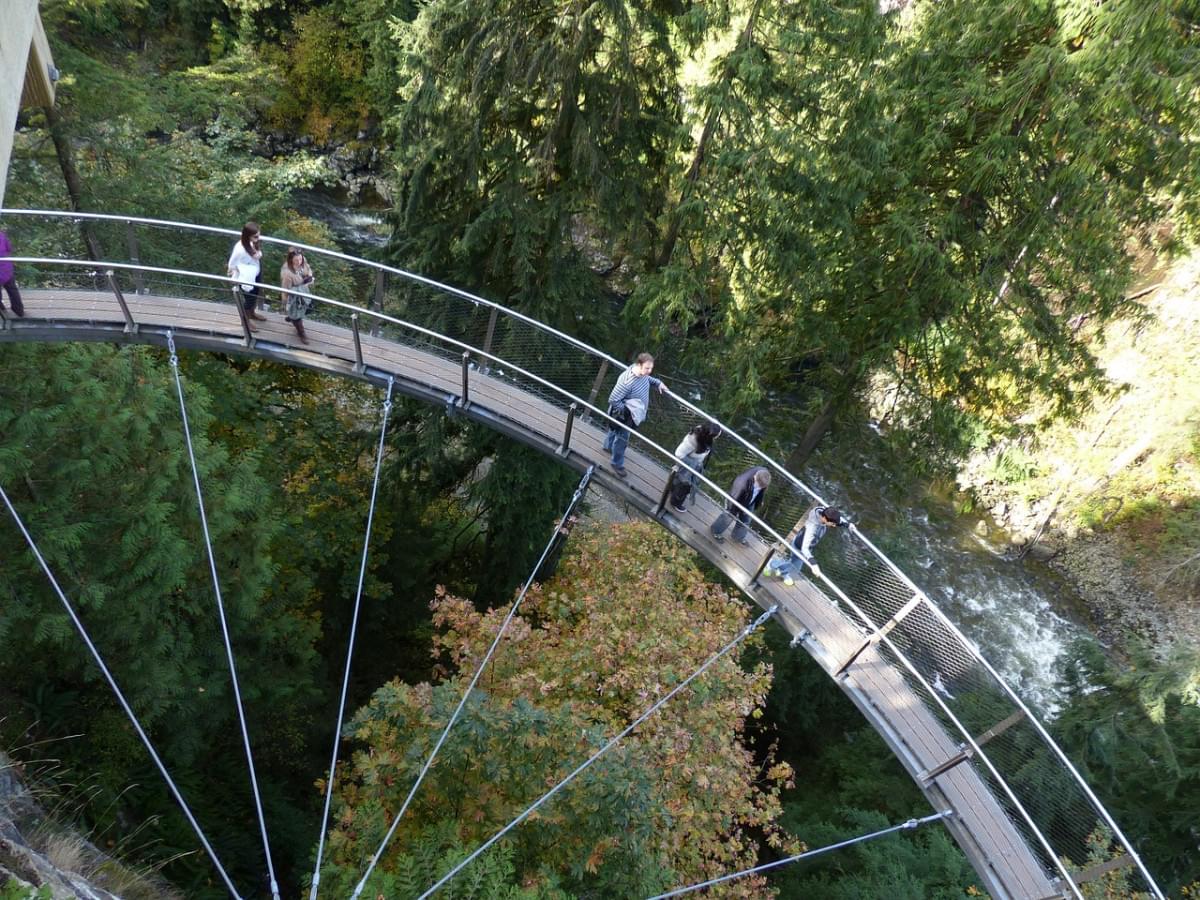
324,67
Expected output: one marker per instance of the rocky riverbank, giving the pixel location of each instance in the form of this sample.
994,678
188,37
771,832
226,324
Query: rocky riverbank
1112,501
1120,601
355,167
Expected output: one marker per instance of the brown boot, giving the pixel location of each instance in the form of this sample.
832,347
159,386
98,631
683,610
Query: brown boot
253,314
299,323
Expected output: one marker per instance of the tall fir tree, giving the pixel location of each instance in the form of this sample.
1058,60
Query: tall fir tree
92,455
533,136
937,196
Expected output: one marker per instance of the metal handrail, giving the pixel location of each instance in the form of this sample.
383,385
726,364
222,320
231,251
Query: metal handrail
420,329
970,739
441,286
967,645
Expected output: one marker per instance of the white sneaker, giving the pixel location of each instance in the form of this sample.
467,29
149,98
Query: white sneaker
789,580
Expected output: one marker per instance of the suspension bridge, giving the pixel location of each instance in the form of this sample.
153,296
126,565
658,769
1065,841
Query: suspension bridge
1004,790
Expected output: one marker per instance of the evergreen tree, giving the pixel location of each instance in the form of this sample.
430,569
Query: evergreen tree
92,455
939,196
532,135
519,498
1134,733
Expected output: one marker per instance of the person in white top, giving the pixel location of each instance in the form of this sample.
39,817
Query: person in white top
798,546
692,451
245,264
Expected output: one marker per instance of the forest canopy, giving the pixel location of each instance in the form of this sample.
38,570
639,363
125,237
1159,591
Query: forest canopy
909,220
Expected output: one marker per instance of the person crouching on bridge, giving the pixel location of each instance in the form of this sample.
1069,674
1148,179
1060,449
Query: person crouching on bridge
693,452
628,404
748,490
801,540
8,277
296,277
245,264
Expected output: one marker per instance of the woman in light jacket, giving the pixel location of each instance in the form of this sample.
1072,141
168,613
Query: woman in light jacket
296,278
692,451
245,264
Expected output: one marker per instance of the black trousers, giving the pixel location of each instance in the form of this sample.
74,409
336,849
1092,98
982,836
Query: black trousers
249,298
14,296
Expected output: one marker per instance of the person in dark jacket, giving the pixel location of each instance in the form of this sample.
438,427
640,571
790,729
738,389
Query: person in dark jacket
748,489
8,277
800,543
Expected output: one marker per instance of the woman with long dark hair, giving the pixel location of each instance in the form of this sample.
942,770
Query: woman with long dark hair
692,451
245,264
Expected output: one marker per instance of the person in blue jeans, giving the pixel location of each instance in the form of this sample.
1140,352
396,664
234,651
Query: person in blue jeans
628,404
800,543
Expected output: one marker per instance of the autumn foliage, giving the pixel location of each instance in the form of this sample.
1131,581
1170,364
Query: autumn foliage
627,616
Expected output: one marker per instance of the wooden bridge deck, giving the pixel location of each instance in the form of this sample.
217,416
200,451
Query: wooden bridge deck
1006,864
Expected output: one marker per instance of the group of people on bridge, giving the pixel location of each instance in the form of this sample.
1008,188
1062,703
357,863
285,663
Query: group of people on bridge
295,277
628,406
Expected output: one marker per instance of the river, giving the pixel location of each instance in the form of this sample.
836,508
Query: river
1020,613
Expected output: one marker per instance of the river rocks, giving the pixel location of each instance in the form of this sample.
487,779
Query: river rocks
353,166
1123,610
1041,551
1120,607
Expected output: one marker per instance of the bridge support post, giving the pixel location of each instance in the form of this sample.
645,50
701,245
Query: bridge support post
1092,873
879,634
130,325
358,359
762,565
596,384
466,368
487,340
239,300
565,447
964,752
131,239
377,304
666,492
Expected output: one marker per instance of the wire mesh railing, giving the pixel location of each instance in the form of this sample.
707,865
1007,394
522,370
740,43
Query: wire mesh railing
1038,788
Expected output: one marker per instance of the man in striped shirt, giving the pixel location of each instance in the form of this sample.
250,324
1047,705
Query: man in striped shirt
628,404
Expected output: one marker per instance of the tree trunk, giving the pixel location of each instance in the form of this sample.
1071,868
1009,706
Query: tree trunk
689,182
819,427
66,161
693,174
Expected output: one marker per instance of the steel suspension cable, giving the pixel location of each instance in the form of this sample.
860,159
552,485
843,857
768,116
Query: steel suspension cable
808,854
112,682
362,573
742,635
578,495
212,565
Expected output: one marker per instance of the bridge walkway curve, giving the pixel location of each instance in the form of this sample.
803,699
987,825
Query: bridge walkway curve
991,840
